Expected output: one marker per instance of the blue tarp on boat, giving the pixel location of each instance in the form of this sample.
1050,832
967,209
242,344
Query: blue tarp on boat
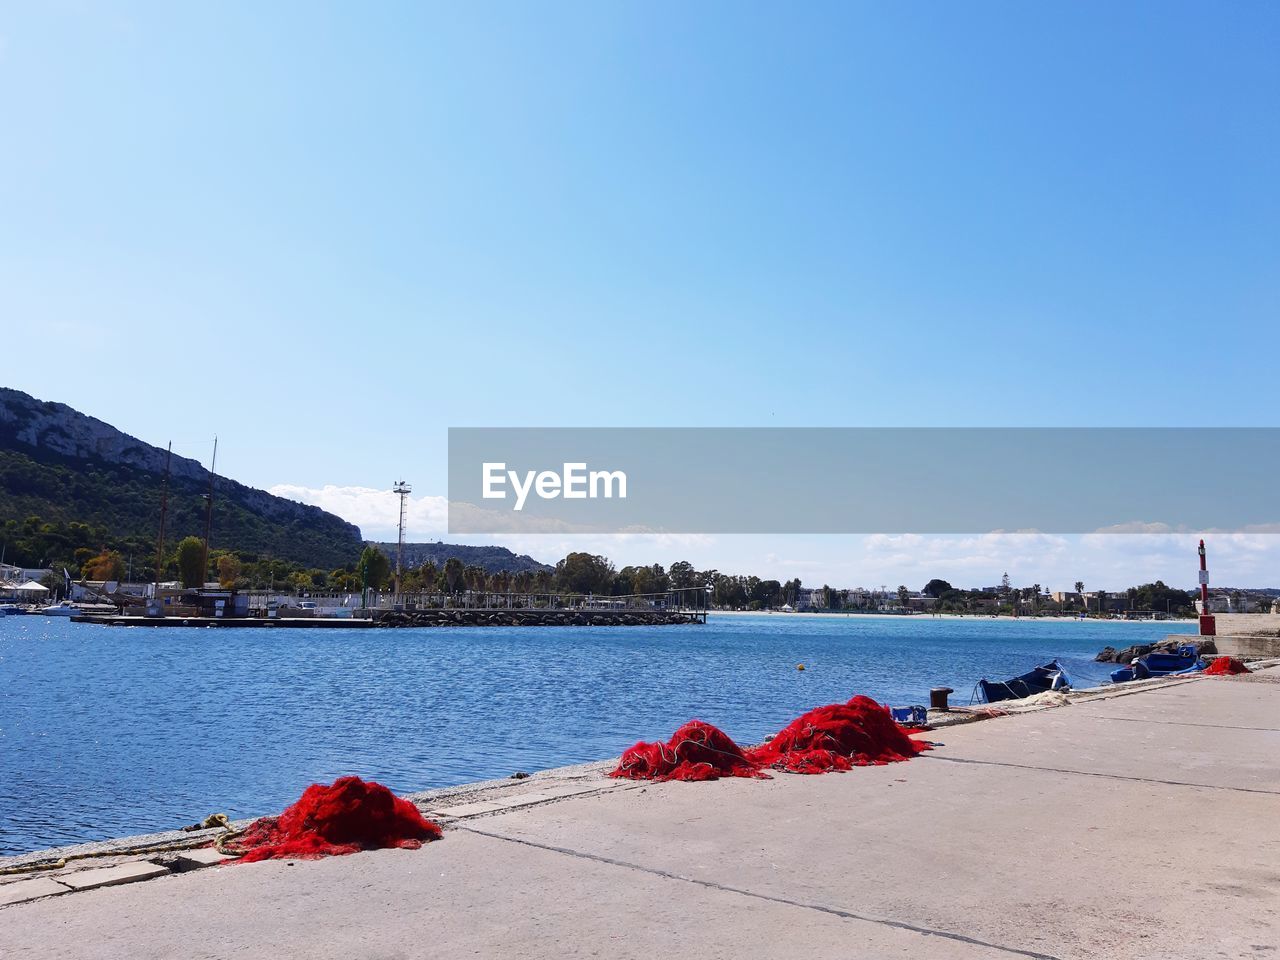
1156,664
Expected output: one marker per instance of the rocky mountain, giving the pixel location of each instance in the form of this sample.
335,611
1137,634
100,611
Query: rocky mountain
492,559
68,480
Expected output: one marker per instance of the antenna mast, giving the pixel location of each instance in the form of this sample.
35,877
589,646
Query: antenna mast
403,489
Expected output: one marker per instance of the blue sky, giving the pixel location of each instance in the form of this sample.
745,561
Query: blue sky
329,232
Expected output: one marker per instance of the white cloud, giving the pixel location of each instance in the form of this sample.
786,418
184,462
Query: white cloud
375,512
1109,561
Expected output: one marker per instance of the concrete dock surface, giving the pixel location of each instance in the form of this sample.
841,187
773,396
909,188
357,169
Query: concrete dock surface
1138,825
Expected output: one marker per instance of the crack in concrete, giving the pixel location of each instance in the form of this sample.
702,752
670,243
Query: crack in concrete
1186,723
711,885
1105,776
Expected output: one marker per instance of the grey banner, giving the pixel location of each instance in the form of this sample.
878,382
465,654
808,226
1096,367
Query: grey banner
864,480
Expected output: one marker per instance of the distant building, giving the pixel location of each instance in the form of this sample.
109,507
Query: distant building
92,589
11,574
23,591
1101,601
1218,603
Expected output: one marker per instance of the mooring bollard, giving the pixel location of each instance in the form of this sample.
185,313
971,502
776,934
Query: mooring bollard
938,698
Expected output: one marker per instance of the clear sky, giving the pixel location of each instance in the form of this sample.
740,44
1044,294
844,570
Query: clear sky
329,232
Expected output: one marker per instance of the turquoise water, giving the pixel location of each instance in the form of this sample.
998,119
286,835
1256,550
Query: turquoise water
107,731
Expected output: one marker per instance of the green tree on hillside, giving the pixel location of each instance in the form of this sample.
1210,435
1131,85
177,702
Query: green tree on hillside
1159,596
107,565
728,592
190,559
229,567
791,592
683,575
767,593
584,573
452,575
474,577
375,566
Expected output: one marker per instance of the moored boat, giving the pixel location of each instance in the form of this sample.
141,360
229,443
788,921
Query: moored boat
1158,664
64,609
1050,676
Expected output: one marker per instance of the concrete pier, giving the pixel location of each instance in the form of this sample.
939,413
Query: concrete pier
1140,823
462,617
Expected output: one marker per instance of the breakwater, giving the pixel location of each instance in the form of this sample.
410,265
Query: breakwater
421,618
535,618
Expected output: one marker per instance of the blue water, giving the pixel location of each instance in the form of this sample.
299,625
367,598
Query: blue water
106,731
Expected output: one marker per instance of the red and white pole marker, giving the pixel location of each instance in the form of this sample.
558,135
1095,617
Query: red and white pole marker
1208,627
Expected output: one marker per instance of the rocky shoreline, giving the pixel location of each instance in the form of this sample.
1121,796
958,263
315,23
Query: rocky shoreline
1127,655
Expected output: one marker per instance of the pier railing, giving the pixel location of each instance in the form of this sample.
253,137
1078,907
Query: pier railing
691,600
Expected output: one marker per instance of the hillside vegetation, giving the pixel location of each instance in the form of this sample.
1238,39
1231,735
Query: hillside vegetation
491,559
69,482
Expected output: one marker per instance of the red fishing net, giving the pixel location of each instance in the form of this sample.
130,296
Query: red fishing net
835,737
697,751
349,816
838,737
1226,667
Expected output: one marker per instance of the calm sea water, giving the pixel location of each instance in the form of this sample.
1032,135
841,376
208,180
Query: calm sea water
106,732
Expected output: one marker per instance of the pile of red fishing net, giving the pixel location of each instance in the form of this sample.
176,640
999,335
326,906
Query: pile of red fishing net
697,751
835,737
840,736
1226,667
346,817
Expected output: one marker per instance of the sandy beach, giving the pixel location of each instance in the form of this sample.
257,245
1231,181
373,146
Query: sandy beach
849,615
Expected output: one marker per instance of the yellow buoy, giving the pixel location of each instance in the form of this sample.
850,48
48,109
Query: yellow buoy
799,666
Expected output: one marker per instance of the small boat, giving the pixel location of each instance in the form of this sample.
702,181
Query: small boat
64,609
1156,664
1050,676
12,609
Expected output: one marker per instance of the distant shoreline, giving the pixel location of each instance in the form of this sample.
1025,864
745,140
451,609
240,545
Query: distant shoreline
851,615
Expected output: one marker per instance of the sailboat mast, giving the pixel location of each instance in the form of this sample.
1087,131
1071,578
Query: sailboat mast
208,515
164,511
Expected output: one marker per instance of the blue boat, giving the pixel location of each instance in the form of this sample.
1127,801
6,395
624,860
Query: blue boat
1186,660
1050,676
910,716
